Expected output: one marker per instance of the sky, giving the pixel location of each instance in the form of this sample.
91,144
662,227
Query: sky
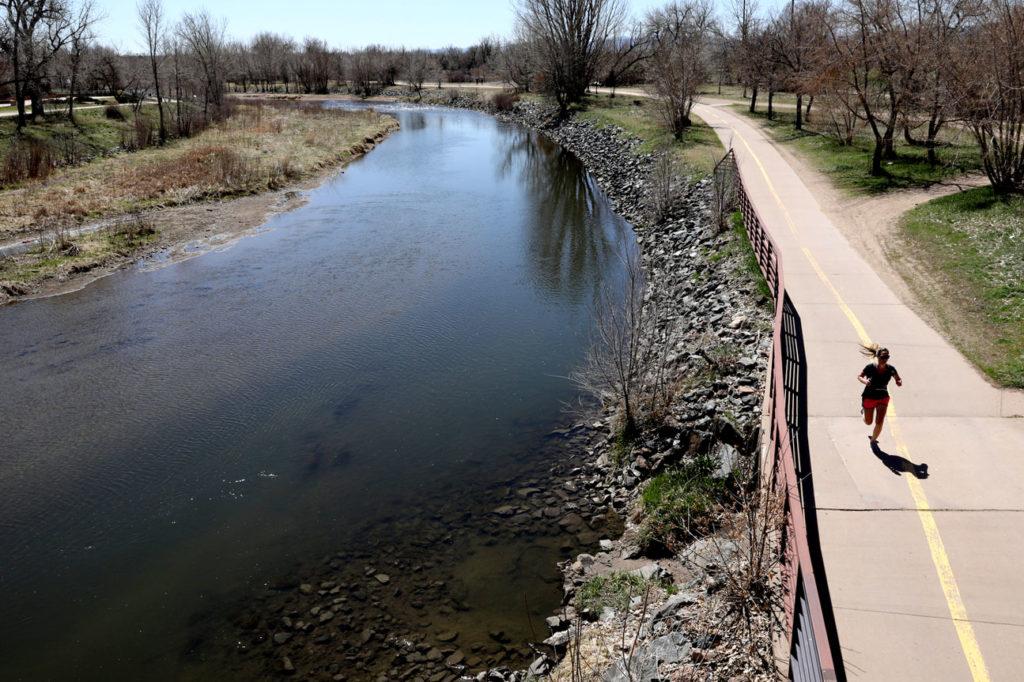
342,23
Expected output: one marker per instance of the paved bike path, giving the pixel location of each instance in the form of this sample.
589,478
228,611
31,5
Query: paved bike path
926,575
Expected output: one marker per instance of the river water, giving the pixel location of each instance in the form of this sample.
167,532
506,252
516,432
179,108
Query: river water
173,437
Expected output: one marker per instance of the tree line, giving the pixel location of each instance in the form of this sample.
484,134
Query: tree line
891,67
908,68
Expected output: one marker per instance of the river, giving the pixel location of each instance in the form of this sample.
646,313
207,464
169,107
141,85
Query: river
172,438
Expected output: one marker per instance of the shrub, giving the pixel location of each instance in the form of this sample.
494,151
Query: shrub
27,159
113,112
679,505
614,590
505,101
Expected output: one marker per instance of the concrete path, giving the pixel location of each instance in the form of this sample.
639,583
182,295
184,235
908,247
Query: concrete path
926,576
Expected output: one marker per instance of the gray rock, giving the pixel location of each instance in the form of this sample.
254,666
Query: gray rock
558,640
282,637
650,572
728,460
540,666
674,605
671,648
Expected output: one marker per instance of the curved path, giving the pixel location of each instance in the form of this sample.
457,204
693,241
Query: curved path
926,574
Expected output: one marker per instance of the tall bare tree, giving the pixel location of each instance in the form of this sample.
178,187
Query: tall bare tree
204,37
625,55
745,16
418,68
570,37
151,23
872,47
991,83
680,36
35,31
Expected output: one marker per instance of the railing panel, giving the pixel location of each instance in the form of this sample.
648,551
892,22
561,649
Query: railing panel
811,653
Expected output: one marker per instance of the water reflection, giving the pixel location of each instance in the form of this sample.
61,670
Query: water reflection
568,250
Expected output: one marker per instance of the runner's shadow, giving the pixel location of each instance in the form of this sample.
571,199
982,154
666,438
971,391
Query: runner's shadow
899,465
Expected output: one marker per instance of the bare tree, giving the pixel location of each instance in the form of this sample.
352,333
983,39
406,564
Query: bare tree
680,37
745,16
518,63
624,56
364,72
34,33
992,85
942,27
417,70
797,40
627,363
151,23
570,37
313,66
870,41
78,42
204,37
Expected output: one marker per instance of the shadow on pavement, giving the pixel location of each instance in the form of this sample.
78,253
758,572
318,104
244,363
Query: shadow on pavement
900,465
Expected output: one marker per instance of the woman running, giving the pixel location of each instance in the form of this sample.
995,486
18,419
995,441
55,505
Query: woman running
875,377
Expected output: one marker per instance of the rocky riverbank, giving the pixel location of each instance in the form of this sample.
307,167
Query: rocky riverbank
400,609
723,326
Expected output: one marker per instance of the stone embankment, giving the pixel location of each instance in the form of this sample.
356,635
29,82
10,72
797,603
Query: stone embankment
715,305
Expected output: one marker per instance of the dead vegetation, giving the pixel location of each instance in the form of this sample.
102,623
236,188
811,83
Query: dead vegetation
263,146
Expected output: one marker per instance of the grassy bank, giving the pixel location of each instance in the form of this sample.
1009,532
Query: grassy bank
260,147
697,151
969,247
849,166
94,135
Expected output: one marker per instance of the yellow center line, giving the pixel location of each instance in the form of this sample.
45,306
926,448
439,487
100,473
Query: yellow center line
954,601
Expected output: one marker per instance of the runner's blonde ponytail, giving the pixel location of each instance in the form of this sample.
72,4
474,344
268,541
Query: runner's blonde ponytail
870,350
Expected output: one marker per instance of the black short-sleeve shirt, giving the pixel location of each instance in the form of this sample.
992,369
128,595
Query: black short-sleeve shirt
878,381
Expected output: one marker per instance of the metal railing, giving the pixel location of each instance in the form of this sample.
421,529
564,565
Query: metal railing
813,649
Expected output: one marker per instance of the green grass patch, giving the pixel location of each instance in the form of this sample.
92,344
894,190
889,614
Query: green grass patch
679,505
612,590
971,244
698,151
739,247
849,166
95,134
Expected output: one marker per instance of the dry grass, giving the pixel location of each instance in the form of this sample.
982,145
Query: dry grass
262,146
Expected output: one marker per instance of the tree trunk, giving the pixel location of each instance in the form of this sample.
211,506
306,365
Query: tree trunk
933,133
71,98
37,102
159,100
799,111
771,107
19,94
753,98
876,157
810,101
889,151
